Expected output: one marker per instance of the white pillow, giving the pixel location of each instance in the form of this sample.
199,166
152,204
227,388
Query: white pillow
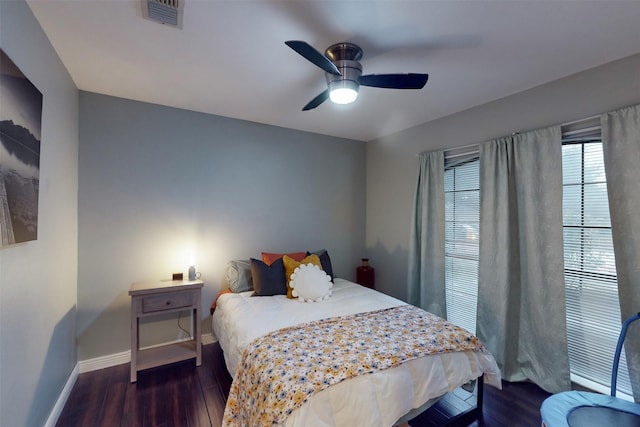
310,283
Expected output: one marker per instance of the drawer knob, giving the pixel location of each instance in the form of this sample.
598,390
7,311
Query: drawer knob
168,303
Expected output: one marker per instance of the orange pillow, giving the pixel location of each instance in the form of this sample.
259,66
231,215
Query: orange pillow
291,264
269,258
222,292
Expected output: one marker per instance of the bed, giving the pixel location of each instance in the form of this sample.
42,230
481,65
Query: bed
384,396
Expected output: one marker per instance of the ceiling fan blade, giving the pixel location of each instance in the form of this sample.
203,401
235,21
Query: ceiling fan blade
395,81
312,55
317,101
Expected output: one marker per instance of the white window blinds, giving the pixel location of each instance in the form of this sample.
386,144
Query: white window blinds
593,310
462,232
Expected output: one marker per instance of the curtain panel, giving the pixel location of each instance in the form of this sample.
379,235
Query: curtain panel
426,276
521,292
621,147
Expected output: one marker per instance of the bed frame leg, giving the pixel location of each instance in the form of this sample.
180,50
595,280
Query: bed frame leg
480,397
473,413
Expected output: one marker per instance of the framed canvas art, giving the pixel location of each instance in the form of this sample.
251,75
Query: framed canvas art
20,124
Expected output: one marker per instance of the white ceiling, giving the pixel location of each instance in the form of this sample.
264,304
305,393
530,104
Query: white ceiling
230,58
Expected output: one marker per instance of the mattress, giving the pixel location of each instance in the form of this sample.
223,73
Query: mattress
377,399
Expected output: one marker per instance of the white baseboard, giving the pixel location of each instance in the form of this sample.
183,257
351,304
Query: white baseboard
209,339
125,357
104,361
62,399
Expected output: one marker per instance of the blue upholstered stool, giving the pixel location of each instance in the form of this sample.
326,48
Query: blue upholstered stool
583,409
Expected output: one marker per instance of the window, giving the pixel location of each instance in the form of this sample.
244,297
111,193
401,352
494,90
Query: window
462,232
593,309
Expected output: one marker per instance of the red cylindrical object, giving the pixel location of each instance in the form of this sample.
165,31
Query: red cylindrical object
366,275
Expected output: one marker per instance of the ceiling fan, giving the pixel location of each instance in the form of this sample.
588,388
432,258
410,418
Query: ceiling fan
344,73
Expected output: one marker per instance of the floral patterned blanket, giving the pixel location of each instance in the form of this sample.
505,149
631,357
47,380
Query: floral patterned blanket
283,369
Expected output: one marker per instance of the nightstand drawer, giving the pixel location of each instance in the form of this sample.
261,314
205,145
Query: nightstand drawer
167,301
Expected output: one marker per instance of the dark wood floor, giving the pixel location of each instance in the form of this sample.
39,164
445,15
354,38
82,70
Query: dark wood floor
183,395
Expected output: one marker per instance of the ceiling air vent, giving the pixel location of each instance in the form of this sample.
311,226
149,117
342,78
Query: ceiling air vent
168,12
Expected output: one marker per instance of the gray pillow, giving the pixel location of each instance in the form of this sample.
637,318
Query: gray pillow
268,280
325,261
238,275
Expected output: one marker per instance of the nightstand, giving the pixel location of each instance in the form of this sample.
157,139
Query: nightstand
153,298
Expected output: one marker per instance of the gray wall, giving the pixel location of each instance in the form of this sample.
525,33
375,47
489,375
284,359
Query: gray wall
38,279
392,165
157,183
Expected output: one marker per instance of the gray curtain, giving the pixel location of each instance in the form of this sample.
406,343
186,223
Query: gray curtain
621,146
426,247
521,299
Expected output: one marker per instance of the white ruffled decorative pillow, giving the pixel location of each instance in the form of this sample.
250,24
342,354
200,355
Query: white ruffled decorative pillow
310,283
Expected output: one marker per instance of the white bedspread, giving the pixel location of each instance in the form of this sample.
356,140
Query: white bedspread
377,399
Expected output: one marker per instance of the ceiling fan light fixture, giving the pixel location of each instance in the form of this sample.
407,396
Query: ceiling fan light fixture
343,91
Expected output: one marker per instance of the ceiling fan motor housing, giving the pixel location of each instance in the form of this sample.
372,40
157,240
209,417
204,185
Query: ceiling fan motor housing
350,73
346,57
